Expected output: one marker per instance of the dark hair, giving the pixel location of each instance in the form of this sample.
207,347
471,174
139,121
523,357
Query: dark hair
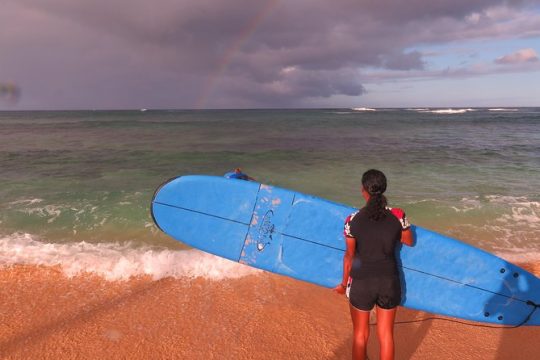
374,182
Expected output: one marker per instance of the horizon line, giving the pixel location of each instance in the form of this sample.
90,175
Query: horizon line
359,109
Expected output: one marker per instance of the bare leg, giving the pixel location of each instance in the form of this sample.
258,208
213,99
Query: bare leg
385,332
360,320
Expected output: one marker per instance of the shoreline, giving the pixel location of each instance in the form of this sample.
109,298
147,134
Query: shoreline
263,316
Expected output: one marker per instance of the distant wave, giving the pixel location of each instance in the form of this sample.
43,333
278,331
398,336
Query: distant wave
445,111
418,109
114,261
363,109
503,109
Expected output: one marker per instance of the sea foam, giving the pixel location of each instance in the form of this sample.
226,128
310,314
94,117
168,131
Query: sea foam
114,261
519,256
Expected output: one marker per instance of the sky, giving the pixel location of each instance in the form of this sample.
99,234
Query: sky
199,54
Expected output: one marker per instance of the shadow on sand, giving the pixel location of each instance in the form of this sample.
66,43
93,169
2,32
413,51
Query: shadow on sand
408,338
89,311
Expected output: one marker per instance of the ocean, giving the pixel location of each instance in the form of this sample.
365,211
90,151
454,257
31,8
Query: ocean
84,272
76,186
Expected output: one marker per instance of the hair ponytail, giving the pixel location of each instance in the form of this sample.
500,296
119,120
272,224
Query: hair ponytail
374,182
376,206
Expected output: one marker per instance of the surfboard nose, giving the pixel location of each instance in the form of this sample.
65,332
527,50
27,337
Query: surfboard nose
224,198
216,222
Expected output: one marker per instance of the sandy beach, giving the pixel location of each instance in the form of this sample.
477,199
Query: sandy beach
46,315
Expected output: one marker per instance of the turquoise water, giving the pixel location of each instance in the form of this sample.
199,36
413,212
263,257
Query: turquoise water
89,176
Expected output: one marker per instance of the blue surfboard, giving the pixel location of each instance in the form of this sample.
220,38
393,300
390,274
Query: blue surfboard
301,236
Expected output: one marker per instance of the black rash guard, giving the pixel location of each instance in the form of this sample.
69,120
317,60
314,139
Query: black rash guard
376,242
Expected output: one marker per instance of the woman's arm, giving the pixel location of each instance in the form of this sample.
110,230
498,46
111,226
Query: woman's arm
407,236
347,264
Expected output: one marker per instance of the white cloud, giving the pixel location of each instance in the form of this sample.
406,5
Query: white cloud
519,57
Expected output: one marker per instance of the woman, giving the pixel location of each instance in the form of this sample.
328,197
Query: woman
370,272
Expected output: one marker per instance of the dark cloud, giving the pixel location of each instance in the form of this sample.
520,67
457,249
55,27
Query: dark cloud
408,61
236,53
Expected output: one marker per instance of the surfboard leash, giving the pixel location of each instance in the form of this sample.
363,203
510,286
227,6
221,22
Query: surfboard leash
535,306
529,302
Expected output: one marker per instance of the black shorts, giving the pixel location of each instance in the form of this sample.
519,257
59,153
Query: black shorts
385,291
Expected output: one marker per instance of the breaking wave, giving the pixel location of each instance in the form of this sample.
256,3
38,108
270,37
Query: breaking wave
114,261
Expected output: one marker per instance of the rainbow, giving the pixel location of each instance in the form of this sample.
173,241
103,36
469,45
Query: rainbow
228,55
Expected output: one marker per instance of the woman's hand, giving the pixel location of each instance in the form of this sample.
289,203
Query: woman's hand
407,237
340,289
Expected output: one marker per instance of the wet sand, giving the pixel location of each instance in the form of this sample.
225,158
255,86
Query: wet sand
46,315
